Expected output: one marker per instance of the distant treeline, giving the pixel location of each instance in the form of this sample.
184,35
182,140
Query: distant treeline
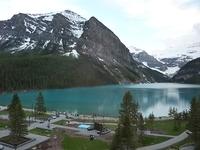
49,71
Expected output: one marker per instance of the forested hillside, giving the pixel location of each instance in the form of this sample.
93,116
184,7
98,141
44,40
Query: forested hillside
37,71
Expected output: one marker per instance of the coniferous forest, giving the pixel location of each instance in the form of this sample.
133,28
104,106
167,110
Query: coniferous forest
23,72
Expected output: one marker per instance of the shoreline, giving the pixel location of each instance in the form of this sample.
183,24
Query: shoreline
86,116
72,114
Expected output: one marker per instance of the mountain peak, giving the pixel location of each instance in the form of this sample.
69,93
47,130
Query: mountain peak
135,50
55,32
67,13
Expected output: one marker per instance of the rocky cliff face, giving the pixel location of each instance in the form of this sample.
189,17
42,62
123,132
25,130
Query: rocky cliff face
98,41
147,59
101,43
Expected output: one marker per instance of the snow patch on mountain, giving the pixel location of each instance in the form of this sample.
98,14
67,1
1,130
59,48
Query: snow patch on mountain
77,32
72,16
51,31
135,50
170,71
100,59
68,14
29,27
55,30
73,53
45,44
162,66
27,44
73,45
48,18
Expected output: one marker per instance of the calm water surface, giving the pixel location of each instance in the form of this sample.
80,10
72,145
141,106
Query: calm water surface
105,100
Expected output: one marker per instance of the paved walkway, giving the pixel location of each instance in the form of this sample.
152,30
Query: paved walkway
45,124
159,135
167,143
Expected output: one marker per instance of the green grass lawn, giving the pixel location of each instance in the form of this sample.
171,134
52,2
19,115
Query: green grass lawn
151,140
3,112
110,126
168,127
77,143
43,132
61,122
3,124
28,113
95,120
42,116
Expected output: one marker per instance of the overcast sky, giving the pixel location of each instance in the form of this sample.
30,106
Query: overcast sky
153,25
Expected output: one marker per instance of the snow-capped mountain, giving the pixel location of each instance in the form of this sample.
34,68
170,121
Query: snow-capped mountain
148,60
153,62
189,73
52,32
168,62
68,34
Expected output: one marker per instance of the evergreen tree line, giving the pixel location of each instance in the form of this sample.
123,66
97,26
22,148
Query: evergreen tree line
49,71
178,117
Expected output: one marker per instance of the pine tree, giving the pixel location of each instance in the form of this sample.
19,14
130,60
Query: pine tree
141,127
194,122
172,112
17,118
40,106
177,121
125,137
151,119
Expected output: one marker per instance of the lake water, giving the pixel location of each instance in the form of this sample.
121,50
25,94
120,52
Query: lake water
105,100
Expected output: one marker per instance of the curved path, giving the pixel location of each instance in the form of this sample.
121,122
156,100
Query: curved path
148,133
167,143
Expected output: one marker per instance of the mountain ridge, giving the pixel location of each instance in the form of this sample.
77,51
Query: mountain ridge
189,73
86,41
168,65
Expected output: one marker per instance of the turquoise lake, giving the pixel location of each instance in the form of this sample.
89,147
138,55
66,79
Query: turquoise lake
105,100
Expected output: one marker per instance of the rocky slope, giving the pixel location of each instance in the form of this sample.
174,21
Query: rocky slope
41,33
165,63
147,59
189,73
